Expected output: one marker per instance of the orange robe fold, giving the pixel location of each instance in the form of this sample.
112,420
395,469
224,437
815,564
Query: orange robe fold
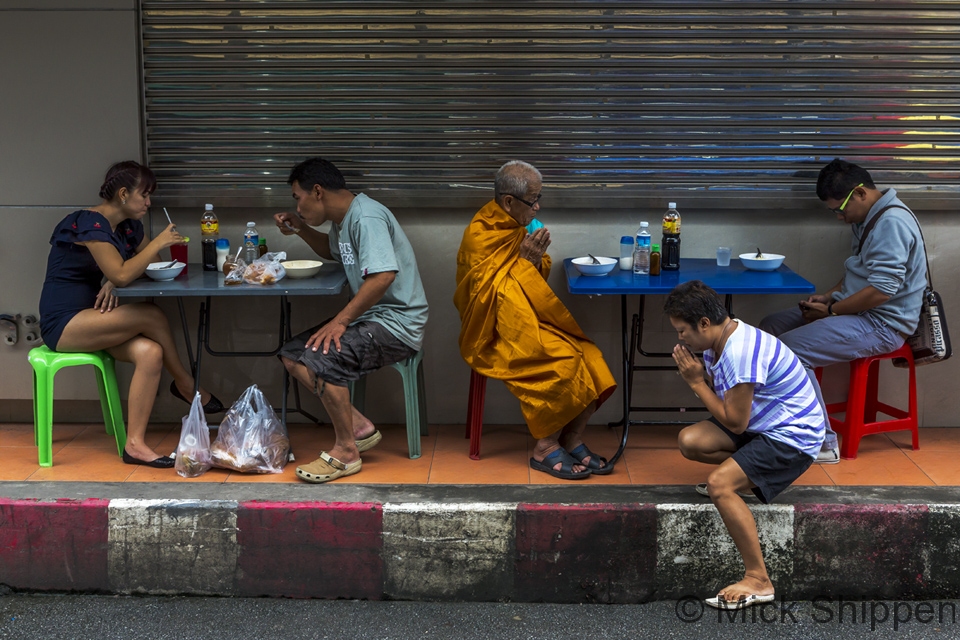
514,328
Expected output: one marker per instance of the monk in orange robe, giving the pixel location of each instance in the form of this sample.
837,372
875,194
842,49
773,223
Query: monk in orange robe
515,329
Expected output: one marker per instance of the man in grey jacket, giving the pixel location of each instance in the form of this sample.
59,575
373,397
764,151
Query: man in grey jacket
876,305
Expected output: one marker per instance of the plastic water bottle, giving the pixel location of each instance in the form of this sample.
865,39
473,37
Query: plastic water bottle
251,243
641,254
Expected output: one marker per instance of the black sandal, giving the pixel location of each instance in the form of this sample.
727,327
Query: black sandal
566,461
582,452
213,405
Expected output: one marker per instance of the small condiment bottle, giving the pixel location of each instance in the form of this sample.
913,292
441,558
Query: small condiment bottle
655,260
262,246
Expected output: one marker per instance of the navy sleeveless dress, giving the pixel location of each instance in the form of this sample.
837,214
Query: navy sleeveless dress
73,278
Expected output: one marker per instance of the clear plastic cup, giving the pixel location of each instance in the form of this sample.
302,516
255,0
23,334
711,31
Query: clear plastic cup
723,256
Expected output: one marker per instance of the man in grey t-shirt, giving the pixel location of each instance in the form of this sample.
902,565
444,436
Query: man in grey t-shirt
383,323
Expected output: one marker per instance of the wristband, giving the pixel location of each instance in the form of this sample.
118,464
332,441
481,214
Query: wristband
830,310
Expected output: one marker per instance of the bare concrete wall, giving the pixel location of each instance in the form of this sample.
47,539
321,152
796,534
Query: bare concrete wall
70,108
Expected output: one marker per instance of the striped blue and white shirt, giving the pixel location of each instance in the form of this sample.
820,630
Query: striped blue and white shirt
785,405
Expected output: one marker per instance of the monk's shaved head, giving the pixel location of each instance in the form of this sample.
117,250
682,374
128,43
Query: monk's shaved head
514,178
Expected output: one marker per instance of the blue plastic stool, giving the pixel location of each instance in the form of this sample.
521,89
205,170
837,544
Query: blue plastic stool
414,396
45,364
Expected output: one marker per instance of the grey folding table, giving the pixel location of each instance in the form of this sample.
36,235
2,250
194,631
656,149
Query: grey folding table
197,283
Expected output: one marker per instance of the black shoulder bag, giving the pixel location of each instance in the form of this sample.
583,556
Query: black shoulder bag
931,341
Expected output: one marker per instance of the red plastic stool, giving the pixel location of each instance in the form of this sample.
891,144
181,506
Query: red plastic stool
862,405
478,390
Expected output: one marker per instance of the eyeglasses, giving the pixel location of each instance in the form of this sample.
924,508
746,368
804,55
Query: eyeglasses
529,204
839,210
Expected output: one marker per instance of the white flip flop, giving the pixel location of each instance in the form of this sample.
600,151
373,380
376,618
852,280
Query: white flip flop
719,603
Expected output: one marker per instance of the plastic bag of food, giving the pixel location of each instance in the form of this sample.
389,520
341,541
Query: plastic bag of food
235,276
266,269
251,438
193,452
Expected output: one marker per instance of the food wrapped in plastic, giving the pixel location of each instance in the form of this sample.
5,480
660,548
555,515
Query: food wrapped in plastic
236,273
266,269
193,452
251,438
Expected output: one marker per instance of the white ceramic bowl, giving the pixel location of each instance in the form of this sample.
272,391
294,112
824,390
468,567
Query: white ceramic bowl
767,261
302,268
155,272
588,268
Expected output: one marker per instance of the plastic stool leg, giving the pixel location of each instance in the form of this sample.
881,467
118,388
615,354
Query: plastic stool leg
358,394
114,407
44,425
853,420
411,402
104,402
912,406
422,400
872,394
478,389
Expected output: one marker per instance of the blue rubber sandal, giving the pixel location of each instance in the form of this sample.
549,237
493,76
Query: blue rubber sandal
566,461
582,452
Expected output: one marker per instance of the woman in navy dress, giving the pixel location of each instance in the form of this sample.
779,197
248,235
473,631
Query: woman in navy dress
93,251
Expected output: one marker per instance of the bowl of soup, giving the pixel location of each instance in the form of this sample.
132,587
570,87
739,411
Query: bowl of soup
588,267
761,262
160,270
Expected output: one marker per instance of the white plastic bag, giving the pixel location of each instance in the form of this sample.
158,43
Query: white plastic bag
251,437
193,452
266,269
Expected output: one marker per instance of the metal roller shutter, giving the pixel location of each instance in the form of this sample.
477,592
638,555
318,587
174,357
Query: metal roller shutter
424,100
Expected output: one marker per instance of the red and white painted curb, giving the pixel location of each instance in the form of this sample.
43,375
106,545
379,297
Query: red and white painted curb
473,551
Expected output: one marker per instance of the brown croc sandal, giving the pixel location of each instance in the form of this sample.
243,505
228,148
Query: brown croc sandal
327,468
372,440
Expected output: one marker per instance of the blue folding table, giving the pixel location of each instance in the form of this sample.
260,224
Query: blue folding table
724,280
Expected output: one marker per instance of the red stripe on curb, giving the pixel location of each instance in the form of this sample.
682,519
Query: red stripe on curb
586,553
54,546
310,549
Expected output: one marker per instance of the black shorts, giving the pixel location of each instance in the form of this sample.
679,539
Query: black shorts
364,348
770,464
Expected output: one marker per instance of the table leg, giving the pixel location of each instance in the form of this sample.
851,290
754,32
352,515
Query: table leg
186,337
627,379
202,338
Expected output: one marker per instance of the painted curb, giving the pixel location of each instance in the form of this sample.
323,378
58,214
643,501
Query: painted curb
471,551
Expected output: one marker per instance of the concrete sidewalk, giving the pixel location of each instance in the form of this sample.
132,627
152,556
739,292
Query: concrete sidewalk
615,544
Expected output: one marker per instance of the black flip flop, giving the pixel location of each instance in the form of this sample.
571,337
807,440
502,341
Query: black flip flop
583,451
566,461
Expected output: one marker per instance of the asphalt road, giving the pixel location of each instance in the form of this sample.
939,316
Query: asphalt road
36,617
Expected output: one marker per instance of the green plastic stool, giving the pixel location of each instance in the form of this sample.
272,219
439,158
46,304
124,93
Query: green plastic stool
414,397
45,364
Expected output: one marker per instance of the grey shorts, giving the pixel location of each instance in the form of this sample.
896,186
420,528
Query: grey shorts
768,463
364,348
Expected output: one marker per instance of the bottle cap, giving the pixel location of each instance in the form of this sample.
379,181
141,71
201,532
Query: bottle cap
644,225
208,207
263,241
626,239
251,224
223,243
671,205
656,247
